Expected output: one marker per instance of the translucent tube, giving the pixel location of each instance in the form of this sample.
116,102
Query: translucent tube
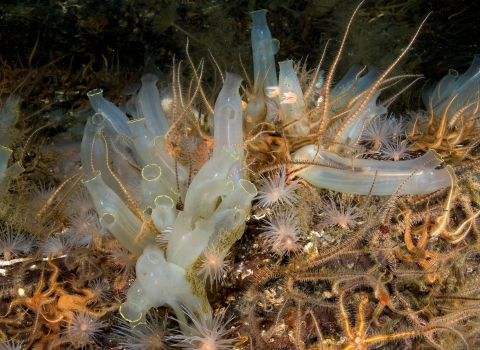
150,106
9,112
292,105
228,122
224,221
345,90
164,213
7,174
462,89
173,173
186,254
116,120
464,86
132,108
5,153
356,176
441,90
151,186
241,197
160,282
346,83
115,125
230,215
255,111
93,151
216,167
8,117
115,215
152,150
153,274
186,244
264,50
136,306
155,271
94,125
142,139
228,114
201,201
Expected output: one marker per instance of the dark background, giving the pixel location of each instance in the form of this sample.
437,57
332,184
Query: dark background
123,33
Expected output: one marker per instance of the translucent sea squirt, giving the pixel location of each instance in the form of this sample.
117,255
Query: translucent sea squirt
357,176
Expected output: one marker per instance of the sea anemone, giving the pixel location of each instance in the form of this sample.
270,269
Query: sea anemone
395,150
85,229
122,258
275,190
40,195
125,261
338,216
84,328
382,130
146,336
282,233
14,243
57,116
80,203
205,332
56,245
100,289
11,345
213,265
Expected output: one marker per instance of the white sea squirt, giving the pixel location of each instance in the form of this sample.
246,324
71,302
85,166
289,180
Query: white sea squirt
289,85
215,208
228,123
159,282
264,50
149,106
455,92
357,176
